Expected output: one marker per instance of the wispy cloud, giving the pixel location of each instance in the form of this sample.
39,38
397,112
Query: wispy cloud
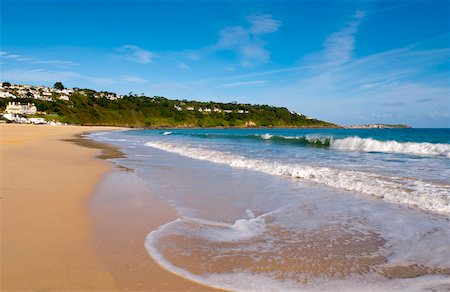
420,100
59,63
397,79
134,79
339,46
39,75
137,54
11,56
246,42
49,76
183,65
35,60
246,83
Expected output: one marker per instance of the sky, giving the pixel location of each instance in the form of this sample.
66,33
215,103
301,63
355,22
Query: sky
347,62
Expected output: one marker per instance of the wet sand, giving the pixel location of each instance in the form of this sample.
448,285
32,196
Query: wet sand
49,240
124,212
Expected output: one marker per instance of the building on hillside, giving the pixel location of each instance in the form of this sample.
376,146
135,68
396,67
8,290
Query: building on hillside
4,94
21,109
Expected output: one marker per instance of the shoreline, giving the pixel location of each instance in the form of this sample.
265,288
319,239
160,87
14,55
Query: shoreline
124,211
49,233
123,201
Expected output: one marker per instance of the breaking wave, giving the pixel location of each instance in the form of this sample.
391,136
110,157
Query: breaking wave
422,194
372,145
347,144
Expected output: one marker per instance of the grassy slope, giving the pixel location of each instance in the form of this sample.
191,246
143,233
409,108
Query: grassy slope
140,111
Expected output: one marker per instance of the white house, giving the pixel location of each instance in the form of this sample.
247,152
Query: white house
21,109
4,94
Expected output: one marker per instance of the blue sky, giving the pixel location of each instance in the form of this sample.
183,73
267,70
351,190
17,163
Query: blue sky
348,62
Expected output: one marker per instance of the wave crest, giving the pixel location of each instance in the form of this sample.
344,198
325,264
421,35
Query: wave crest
407,191
372,145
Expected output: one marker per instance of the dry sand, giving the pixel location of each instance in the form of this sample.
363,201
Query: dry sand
47,233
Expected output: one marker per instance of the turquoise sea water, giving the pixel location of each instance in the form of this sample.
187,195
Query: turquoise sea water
257,201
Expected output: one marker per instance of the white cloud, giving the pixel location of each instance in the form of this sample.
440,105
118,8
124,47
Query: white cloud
246,42
183,65
34,60
262,24
11,56
38,75
242,83
134,79
137,54
59,63
339,46
436,114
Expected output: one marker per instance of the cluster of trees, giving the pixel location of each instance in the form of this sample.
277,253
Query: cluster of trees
142,111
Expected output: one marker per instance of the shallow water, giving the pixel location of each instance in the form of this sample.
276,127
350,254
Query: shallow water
299,209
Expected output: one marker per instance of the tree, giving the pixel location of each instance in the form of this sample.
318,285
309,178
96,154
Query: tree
6,84
58,85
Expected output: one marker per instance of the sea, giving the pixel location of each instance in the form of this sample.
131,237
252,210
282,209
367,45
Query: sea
298,209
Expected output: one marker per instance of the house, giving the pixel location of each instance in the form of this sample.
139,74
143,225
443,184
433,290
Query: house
208,110
178,108
37,121
21,109
4,94
190,108
64,97
217,110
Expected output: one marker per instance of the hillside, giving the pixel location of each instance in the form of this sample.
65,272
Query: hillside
88,107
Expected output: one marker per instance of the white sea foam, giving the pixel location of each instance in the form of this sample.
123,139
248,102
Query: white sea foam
167,133
425,195
372,145
242,280
266,136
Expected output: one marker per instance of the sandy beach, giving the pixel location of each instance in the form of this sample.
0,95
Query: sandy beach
49,241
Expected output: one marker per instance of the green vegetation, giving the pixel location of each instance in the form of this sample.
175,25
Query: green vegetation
58,85
85,107
6,84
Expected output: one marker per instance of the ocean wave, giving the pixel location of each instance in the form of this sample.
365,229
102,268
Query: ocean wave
346,144
372,145
424,195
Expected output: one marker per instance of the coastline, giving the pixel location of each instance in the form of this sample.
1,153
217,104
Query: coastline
51,239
